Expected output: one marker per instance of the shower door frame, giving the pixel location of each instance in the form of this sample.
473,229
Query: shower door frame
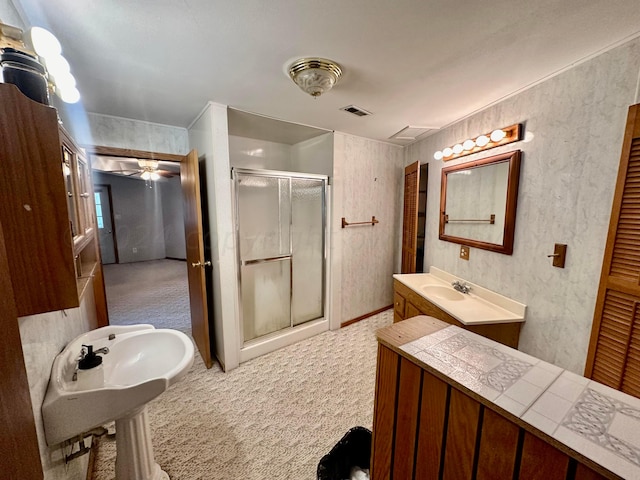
235,171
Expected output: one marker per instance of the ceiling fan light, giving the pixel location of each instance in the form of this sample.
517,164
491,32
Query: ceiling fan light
148,164
155,176
315,75
146,175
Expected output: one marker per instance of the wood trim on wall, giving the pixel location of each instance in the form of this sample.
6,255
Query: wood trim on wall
131,153
18,442
366,315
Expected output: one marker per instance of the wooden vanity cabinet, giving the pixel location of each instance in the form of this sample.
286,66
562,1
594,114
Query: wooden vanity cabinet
407,304
33,210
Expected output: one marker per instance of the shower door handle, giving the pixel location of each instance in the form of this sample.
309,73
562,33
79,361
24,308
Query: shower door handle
265,260
201,264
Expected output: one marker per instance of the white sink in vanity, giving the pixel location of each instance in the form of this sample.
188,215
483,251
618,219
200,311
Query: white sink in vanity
480,310
479,306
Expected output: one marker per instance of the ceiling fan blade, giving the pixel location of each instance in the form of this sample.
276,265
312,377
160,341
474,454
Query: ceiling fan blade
167,173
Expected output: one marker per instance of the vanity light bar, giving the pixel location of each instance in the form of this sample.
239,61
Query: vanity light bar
501,136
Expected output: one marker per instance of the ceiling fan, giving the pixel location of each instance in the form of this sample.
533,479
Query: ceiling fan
148,171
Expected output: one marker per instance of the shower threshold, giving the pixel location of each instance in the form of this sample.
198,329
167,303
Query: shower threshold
276,340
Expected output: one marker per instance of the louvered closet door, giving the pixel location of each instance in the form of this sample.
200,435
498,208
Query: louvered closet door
614,350
410,218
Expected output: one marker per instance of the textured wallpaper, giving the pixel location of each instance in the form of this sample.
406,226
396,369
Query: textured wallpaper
368,180
574,123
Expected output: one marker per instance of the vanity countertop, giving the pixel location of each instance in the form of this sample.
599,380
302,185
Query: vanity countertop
479,306
589,418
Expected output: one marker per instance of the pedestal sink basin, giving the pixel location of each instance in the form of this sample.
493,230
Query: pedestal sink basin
442,292
141,364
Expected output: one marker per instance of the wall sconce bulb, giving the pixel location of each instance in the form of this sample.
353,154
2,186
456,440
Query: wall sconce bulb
438,155
447,152
482,140
497,135
457,148
468,144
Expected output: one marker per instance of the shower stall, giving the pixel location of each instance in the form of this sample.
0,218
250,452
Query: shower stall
280,222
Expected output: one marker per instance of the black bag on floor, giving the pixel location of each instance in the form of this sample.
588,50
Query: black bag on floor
353,450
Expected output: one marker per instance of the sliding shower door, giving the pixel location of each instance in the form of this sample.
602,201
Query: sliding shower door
280,222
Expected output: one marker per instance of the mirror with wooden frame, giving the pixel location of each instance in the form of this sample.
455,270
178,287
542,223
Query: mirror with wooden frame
478,202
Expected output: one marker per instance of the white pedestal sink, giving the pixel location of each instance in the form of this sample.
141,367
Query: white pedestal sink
141,364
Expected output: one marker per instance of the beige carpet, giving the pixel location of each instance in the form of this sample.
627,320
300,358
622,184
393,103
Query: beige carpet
153,292
272,418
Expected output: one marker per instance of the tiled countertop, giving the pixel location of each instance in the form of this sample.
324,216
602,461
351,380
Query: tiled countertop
594,420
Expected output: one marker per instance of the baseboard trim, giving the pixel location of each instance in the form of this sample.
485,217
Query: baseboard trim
174,258
366,315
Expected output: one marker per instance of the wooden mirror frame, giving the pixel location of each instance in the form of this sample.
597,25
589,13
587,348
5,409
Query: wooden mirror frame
511,201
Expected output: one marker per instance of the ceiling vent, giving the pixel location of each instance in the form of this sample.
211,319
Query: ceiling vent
356,111
411,133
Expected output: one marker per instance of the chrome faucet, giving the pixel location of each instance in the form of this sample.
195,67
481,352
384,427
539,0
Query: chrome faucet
461,287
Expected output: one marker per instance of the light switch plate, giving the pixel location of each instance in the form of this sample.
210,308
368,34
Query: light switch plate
559,255
464,252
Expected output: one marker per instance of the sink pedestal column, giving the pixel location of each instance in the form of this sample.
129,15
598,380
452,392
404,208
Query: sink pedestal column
134,451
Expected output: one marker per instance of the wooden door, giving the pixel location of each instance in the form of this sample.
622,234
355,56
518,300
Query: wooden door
614,349
410,218
196,263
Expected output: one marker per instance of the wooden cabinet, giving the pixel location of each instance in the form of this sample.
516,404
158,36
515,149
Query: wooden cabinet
81,211
407,303
77,178
33,210
427,426
47,208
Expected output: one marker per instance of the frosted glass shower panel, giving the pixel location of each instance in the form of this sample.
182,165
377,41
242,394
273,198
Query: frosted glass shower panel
266,297
307,232
264,205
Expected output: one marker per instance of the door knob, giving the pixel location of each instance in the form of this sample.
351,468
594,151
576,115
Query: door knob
201,264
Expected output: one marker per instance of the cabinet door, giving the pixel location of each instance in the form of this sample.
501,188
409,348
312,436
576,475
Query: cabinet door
33,210
613,358
398,307
83,182
410,310
67,173
410,218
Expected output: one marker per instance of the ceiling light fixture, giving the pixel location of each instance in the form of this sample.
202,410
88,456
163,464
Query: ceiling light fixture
500,136
315,75
149,169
